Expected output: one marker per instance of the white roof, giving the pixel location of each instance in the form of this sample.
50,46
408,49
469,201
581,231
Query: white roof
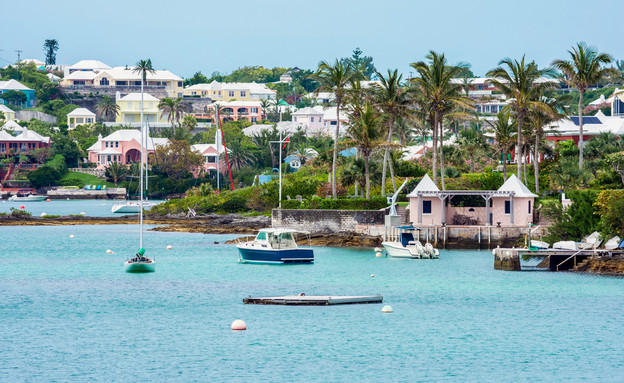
29,135
4,136
89,64
12,125
13,85
122,73
80,112
201,148
81,75
130,134
38,63
307,111
513,184
5,109
592,126
252,87
425,185
227,104
137,97
283,126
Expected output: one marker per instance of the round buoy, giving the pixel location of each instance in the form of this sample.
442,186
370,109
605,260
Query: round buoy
68,199
83,213
239,325
377,249
43,214
47,200
386,309
22,207
372,275
71,236
109,251
378,254
169,247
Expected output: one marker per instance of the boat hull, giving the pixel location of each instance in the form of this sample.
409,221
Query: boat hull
131,208
395,250
38,198
298,255
140,267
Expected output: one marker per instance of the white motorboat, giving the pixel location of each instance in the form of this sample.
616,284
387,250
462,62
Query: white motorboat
592,241
129,207
28,198
275,246
613,243
539,245
565,245
405,246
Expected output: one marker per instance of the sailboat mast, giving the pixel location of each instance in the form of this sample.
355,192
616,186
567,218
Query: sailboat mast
142,162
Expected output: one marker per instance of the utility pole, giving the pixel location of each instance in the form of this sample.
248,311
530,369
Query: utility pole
19,51
280,142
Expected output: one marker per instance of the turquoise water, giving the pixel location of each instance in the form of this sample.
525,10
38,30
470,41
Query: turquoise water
68,312
93,207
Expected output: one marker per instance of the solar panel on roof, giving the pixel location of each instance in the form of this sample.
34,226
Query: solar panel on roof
586,120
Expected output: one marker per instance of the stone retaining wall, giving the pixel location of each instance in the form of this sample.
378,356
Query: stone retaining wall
99,173
87,194
325,221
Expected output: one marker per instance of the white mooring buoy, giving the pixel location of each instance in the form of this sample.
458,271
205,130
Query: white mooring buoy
71,236
239,325
378,254
372,275
169,247
386,309
377,249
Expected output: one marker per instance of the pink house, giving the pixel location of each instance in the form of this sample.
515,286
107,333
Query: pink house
122,146
510,205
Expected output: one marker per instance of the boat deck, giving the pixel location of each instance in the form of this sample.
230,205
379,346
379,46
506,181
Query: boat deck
314,300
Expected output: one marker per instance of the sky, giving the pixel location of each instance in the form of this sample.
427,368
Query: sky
187,36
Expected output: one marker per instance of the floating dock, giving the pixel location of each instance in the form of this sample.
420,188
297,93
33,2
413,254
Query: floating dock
313,300
554,259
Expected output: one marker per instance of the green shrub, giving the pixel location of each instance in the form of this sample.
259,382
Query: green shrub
234,204
44,176
71,181
575,222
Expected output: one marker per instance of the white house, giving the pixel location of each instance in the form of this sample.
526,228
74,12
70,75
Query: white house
79,116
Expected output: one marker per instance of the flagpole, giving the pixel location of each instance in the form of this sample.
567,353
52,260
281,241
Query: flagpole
280,142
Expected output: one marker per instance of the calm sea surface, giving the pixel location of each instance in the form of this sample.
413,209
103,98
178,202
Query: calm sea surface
68,312
93,207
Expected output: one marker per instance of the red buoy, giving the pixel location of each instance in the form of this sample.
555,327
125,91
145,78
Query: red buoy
22,207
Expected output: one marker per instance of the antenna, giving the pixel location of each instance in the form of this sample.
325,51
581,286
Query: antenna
19,51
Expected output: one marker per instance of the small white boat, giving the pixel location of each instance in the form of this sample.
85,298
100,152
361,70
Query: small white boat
131,206
592,241
405,246
539,245
613,243
28,198
565,245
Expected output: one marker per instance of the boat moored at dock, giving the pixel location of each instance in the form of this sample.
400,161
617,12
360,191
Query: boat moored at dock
405,245
275,246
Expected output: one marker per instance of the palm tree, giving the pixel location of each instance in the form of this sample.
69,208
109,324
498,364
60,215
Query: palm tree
239,156
504,129
519,82
472,141
264,106
107,108
365,134
439,94
334,78
116,171
583,70
174,109
391,98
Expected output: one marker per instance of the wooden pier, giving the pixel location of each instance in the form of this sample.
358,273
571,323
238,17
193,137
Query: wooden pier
314,300
554,259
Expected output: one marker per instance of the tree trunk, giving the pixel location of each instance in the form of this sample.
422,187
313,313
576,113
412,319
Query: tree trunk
504,165
334,163
471,162
435,148
442,154
357,154
518,148
536,162
367,175
526,182
392,173
580,144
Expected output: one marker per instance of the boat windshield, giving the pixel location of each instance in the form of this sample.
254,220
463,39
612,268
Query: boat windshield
282,241
261,236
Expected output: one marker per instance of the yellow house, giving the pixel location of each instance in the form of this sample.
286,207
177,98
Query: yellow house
229,91
130,109
9,114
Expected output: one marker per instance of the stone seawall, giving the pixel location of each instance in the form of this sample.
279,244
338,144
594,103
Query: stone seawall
87,194
325,221
99,173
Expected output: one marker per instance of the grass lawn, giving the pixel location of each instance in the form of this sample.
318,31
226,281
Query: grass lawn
87,179
403,203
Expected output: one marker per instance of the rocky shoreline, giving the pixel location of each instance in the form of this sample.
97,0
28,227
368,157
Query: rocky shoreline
613,266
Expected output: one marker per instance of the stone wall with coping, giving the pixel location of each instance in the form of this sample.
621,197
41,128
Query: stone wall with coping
325,221
99,173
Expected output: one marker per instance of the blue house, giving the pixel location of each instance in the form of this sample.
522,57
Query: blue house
6,86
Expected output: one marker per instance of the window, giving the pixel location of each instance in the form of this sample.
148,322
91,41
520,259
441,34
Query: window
231,93
529,207
180,84
2,147
261,236
211,159
138,83
254,110
426,207
295,119
333,123
89,120
106,143
254,119
311,119
104,81
116,144
507,207
243,93
121,83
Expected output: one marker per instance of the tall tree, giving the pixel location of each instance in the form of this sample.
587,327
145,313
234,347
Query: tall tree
473,142
391,98
50,47
365,133
584,69
107,108
334,78
174,109
504,129
518,80
439,93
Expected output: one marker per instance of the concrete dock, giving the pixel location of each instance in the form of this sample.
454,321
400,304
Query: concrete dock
554,259
314,300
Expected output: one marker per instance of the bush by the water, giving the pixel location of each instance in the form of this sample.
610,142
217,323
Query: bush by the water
575,222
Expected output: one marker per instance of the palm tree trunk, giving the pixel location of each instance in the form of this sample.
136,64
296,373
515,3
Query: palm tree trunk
435,148
335,161
518,148
536,162
367,175
526,182
442,155
580,144
392,173
504,165
357,155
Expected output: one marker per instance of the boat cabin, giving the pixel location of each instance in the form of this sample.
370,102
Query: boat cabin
277,238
